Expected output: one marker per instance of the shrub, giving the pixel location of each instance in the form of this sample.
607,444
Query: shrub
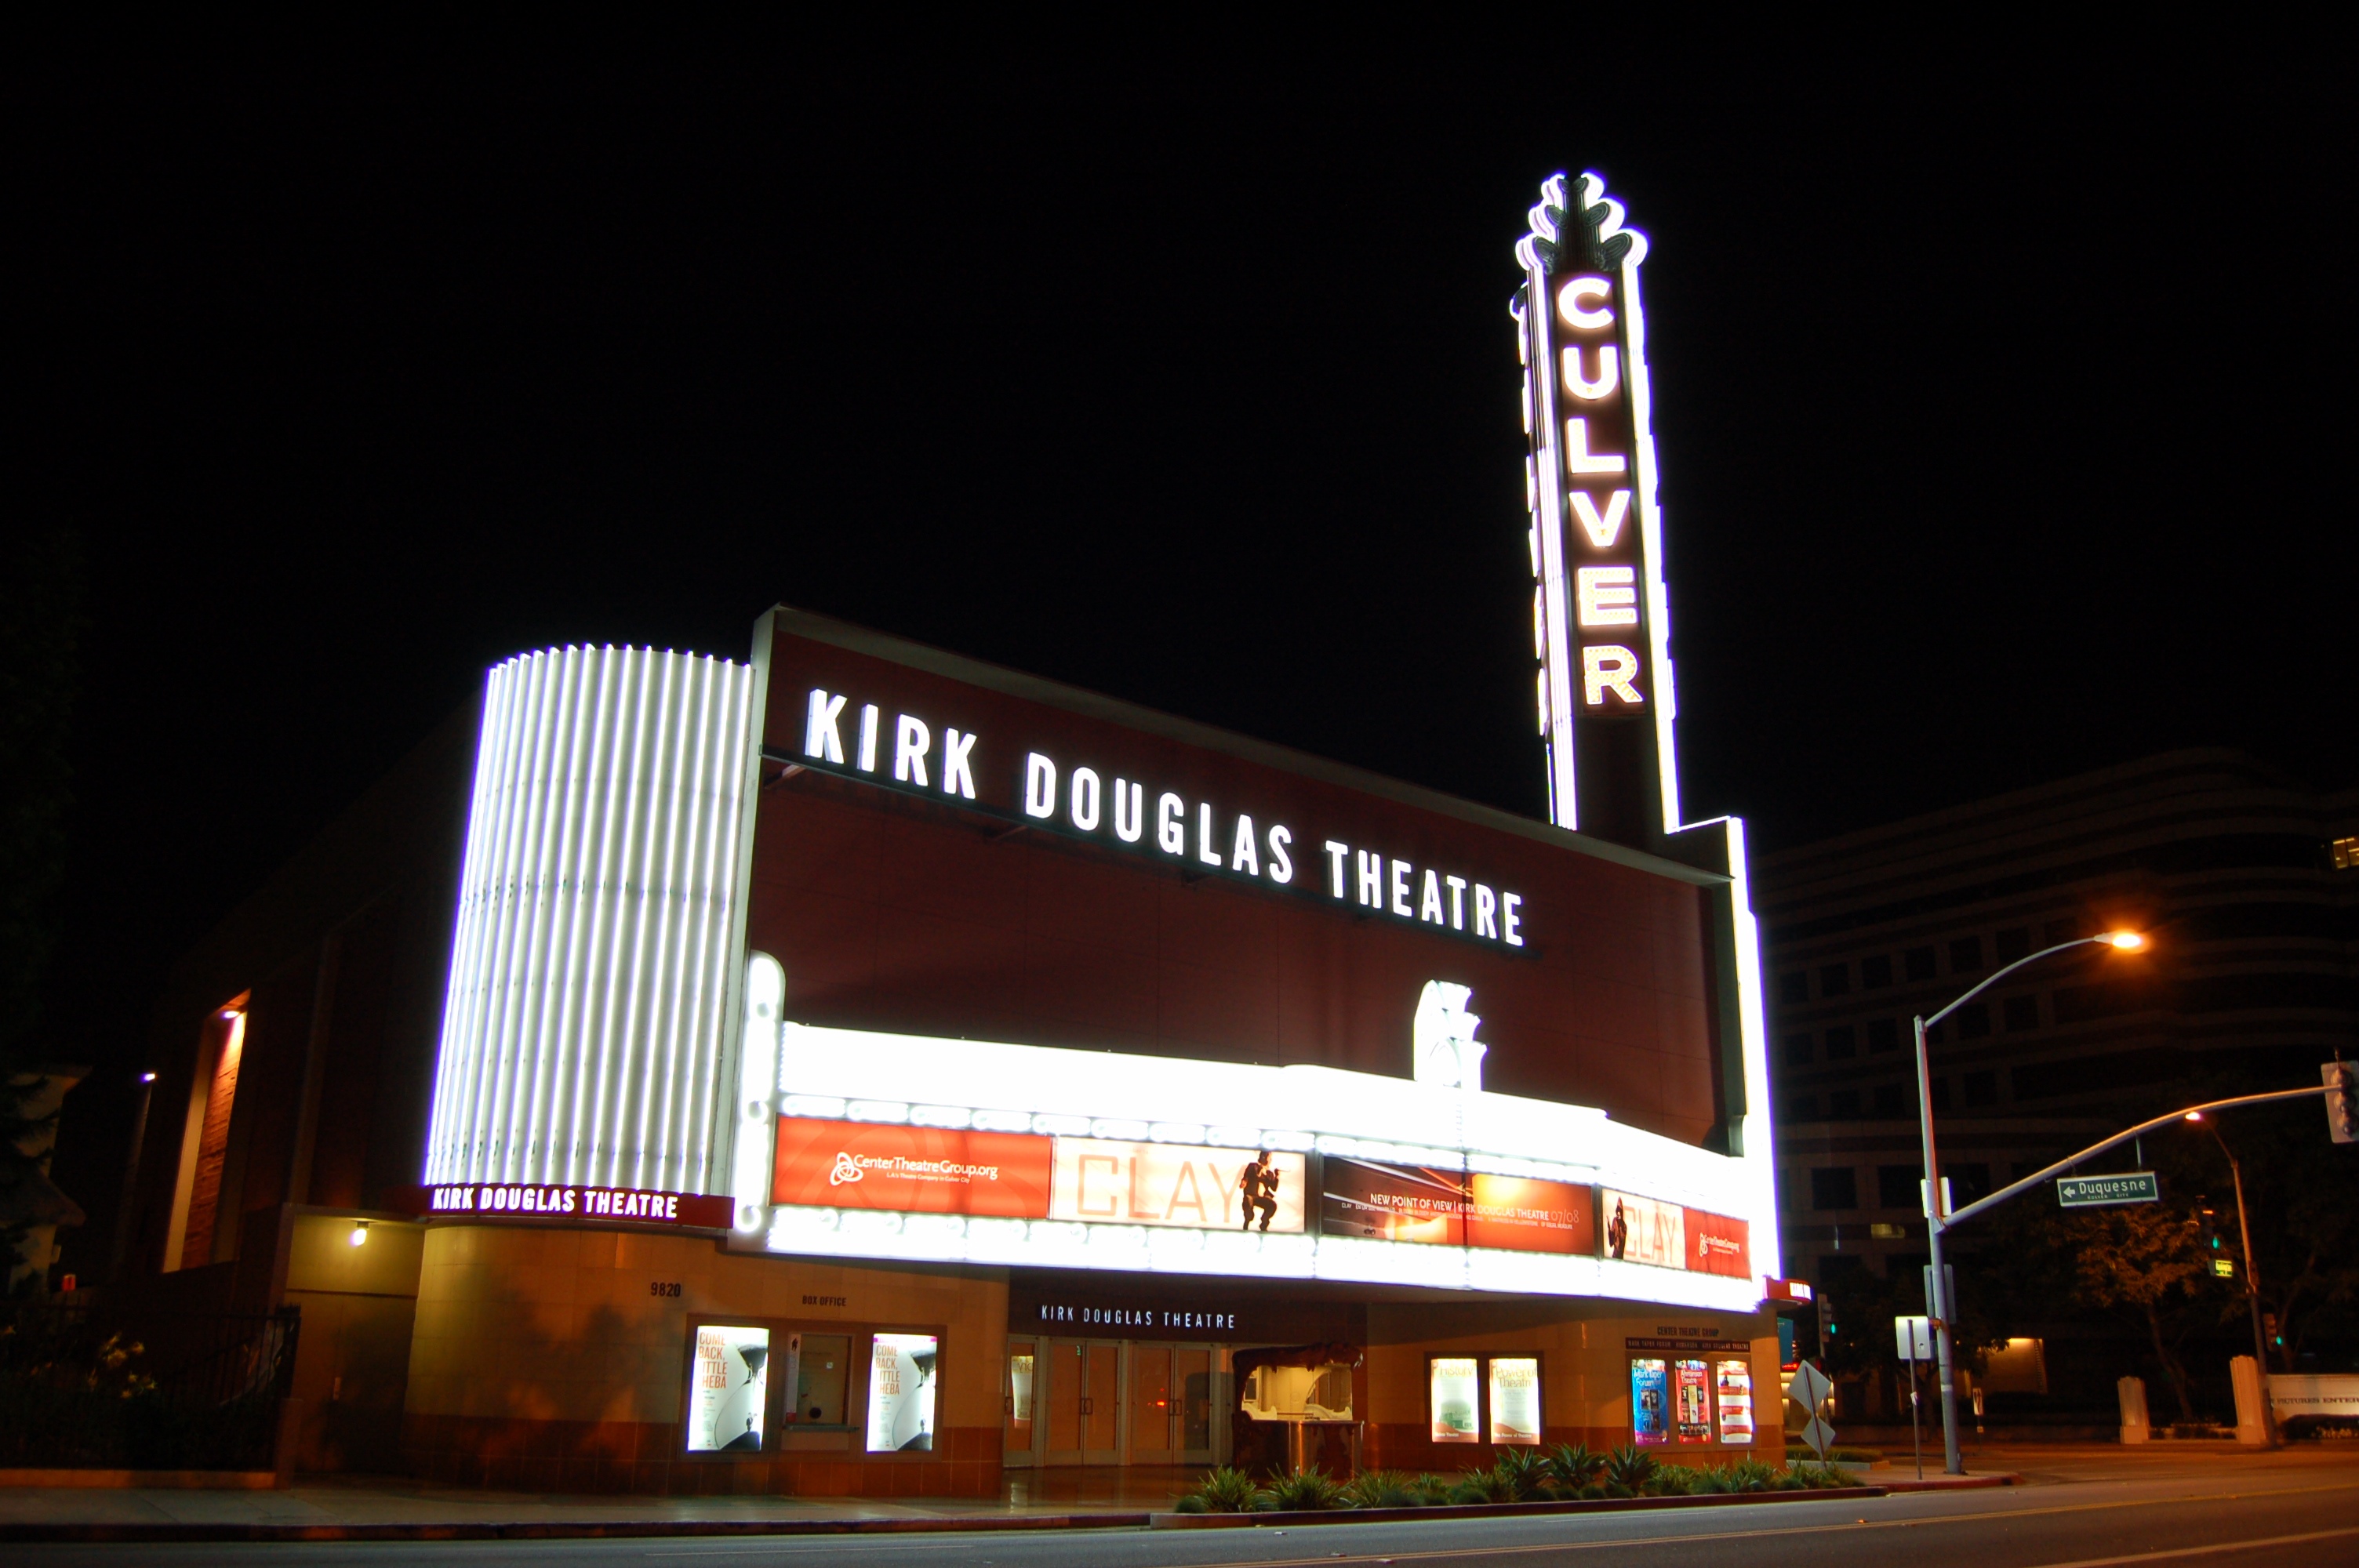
1574,1466
1301,1489
1819,1476
1432,1489
1714,1480
1522,1474
1629,1467
1190,1503
1227,1490
1670,1481
1492,1485
1382,1489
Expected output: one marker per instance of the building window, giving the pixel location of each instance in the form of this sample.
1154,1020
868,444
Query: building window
1843,1045
1940,1094
1883,1034
1834,979
1844,1103
1834,1187
2346,854
1876,973
1889,1102
1981,1088
1797,1050
2022,1012
1895,1188
1794,989
1965,955
1973,1021
2014,943
2065,930
1919,963
1969,1184
1801,1108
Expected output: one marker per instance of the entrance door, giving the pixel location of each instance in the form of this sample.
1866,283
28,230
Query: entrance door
1084,1402
1151,1402
1018,1402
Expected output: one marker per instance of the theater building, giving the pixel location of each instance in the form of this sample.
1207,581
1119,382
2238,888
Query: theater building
862,1069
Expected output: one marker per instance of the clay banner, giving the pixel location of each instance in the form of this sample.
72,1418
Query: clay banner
1182,1185
1417,1203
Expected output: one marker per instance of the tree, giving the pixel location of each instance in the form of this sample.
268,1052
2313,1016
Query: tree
2146,1260
41,626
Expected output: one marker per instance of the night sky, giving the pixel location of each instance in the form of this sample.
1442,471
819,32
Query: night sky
2004,434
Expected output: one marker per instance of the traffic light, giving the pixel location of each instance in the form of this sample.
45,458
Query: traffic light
2342,1099
2211,1228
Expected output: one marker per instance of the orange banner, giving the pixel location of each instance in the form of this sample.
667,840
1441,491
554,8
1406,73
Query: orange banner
1719,1245
915,1169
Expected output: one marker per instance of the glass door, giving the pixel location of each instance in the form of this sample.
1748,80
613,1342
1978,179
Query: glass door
1191,1399
1084,1400
1151,1412
1018,1402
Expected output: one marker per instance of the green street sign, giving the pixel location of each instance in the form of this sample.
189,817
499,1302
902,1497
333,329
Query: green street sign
2091,1192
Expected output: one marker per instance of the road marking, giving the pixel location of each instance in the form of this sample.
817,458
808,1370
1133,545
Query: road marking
2167,1554
1857,1525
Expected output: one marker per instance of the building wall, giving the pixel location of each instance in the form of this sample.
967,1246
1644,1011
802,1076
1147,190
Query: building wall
1584,1375
557,1360
351,1356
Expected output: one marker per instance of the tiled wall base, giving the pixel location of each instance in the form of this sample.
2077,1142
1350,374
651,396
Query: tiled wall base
644,1457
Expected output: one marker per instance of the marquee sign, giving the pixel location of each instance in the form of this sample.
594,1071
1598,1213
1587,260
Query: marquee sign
1600,613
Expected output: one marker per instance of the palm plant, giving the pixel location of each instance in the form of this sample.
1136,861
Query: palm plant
1524,1474
1227,1490
1301,1489
1382,1489
1574,1466
1432,1489
1629,1469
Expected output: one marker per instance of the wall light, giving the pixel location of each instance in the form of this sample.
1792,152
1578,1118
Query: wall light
359,1237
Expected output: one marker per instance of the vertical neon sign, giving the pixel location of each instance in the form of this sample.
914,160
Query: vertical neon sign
1600,615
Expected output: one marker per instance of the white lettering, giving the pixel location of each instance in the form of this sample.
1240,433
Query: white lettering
1429,907
1039,786
1605,596
1400,887
1511,928
1243,855
1607,668
1281,868
1129,825
1601,531
911,741
1086,804
1577,459
1457,902
1608,377
1486,905
1335,853
957,773
1170,825
819,737
1205,850
868,728
1576,289
1370,879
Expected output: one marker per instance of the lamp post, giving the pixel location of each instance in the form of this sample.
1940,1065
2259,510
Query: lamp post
2252,1280
1938,1306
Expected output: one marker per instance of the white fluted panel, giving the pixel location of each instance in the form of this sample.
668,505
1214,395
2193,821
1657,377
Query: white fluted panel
584,1034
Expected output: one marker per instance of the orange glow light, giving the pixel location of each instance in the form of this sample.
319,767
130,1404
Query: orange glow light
2127,941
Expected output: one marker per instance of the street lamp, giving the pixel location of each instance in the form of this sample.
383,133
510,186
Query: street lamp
2252,1280
1938,1304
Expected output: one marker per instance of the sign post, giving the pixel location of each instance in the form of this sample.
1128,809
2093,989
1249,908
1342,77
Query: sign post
1915,1336
1808,1388
2093,1191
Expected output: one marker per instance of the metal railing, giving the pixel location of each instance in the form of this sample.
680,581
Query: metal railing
86,1388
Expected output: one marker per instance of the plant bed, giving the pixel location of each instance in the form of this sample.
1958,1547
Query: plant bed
1499,1510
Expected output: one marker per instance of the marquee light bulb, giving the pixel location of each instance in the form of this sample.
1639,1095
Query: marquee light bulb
2127,941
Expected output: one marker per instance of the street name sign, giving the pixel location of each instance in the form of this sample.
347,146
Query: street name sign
2092,1192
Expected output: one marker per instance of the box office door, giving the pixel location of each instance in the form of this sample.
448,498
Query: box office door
1084,1400
1021,1427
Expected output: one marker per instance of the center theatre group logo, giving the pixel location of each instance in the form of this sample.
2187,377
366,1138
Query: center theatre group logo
845,1171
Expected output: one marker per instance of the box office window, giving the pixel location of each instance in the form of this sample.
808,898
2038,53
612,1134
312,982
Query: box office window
822,1380
1477,1398
729,1390
901,1384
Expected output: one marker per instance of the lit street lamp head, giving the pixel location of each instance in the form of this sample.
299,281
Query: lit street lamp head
2127,941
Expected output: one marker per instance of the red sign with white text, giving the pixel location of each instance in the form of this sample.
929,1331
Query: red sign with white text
1719,1245
913,1170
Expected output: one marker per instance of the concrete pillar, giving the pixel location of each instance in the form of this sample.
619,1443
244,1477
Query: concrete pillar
2132,1391
2251,1421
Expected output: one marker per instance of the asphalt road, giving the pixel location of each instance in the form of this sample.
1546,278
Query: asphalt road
2227,1514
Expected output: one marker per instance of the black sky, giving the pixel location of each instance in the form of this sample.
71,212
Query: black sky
2004,430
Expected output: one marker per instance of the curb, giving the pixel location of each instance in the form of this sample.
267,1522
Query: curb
1512,1510
1961,1484
556,1530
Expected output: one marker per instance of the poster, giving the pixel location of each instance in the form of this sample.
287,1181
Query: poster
1691,1385
916,1170
1453,1208
1644,1230
1170,1183
1733,1390
1453,1395
728,1389
1650,1401
901,1393
1516,1398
